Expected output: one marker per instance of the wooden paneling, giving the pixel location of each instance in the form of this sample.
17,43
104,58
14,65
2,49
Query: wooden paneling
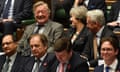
110,2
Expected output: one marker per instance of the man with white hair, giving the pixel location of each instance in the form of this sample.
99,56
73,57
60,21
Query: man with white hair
96,23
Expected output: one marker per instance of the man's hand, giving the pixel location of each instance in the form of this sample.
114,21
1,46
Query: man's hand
114,23
76,2
7,20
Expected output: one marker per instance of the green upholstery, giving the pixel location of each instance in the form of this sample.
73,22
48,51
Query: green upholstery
60,13
28,22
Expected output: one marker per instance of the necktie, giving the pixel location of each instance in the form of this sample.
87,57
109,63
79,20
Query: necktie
6,65
61,69
37,66
6,9
107,69
95,47
38,28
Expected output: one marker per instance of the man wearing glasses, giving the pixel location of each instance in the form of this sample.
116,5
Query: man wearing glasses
11,61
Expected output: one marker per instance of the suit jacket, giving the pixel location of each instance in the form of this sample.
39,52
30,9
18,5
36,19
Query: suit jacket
18,64
81,41
90,51
75,64
101,68
52,31
45,66
114,12
22,9
97,4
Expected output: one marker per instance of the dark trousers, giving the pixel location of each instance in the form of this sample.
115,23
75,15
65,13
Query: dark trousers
7,28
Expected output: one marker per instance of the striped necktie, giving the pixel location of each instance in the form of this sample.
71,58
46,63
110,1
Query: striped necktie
6,9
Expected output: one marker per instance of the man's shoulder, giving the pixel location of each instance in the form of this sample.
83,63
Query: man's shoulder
78,59
50,56
99,68
53,23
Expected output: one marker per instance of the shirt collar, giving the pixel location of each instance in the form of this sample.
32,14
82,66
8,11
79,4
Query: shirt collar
12,58
99,33
113,65
43,57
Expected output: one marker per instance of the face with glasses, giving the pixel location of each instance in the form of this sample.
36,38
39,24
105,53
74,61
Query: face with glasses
108,53
8,45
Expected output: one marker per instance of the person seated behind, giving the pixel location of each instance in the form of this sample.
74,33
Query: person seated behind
11,61
67,60
12,12
40,57
109,50
79,34
44,25
96,23
60,11
114,15
93,4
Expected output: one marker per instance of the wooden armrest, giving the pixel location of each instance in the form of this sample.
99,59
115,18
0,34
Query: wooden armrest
91,69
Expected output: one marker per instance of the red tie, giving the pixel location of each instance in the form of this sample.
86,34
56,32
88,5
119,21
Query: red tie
61,69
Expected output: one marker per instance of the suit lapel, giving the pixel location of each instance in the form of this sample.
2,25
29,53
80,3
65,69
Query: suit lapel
15,63
31,30
16,3
47,28
118,67
2,61
101,68
44,64
2,5
30,64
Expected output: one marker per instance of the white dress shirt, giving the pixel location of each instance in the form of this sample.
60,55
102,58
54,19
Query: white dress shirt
113,66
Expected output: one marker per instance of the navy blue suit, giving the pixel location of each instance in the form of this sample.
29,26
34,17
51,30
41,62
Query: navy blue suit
101,67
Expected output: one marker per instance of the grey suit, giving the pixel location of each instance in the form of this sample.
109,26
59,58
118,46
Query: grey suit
52,30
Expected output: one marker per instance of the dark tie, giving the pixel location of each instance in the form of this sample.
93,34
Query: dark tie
38,28
6,65
6,9
61,69
107,69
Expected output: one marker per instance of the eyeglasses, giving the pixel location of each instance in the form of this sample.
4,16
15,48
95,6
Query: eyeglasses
7,43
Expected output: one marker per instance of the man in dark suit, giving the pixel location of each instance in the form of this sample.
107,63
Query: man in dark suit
109,51
44,25
16,61
67,60
39,45
96,23
11,16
